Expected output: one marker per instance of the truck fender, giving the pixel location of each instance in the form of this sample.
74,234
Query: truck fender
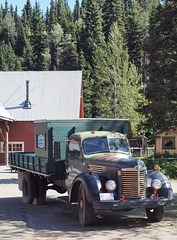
92,186
166,189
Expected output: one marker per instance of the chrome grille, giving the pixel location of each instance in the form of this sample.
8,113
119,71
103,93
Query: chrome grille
133,183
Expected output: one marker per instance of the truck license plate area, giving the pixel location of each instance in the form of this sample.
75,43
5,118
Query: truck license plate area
106,196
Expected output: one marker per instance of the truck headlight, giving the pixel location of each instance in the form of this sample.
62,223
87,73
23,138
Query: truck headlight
110,185
156,184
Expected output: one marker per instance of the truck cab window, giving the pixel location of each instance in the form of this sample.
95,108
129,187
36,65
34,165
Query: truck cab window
95,145
73,149
118,145
103,144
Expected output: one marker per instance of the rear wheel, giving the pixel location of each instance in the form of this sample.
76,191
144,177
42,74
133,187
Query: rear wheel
28,188
85,209
155,214
42,187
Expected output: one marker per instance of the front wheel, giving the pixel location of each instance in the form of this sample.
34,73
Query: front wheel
155,214
85,209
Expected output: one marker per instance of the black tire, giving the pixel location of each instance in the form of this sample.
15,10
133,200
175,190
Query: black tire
85,209
42,187
29,188
155,214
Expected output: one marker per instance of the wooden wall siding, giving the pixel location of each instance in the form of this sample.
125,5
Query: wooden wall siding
159,142
21,131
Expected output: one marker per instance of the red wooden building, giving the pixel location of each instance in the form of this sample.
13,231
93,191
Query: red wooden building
30,96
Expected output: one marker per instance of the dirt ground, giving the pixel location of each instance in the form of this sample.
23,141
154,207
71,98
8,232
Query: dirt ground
57,219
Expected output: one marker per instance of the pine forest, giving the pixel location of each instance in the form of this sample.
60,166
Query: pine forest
126,49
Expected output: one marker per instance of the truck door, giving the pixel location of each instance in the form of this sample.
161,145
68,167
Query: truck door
74,160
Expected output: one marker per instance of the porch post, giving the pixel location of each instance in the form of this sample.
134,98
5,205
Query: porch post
6,143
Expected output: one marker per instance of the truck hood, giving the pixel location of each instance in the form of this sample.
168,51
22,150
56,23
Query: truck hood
115,160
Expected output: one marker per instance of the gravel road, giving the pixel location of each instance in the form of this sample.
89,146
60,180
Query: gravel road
57,219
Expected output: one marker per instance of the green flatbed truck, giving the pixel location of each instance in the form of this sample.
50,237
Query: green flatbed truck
91,160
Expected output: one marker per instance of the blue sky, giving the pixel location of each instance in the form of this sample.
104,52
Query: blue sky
43,4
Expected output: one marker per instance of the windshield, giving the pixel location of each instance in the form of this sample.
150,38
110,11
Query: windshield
118,145
102,144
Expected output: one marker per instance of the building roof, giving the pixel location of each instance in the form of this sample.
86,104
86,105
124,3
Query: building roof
52,95
4,114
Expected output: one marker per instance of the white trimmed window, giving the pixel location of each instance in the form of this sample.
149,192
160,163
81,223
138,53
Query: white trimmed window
12,147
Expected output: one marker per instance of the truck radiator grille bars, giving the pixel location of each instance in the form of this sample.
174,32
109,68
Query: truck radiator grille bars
133,183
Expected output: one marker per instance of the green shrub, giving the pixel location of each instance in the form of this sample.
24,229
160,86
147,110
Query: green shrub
167,164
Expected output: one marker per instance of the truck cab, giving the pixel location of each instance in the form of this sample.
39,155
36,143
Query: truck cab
85,148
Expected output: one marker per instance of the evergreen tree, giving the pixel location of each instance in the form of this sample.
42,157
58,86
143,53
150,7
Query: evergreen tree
28,12
38,39
29,42
76,13
24,49
3,63
62,16
52,15
63,50
55,37
134,34
87,82
68,10
117,79
93,36
82,9
47,20
146,7
92,39
25,32
8,60
17,20
6,9
161,92
100,3
11,10
25,43
27,60
1,25
9,30
68,54
112,13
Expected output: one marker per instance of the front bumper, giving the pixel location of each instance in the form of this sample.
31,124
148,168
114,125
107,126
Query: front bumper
131,204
